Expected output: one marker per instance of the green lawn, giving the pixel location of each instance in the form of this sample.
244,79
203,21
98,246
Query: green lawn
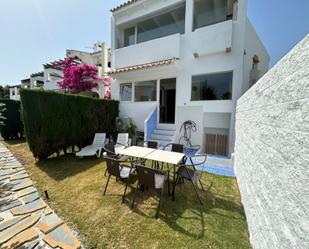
75,187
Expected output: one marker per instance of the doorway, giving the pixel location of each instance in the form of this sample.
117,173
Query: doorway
167,101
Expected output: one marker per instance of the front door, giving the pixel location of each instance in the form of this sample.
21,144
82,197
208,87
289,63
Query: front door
167,101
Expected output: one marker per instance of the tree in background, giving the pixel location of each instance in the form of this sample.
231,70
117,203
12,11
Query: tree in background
4,92
82,78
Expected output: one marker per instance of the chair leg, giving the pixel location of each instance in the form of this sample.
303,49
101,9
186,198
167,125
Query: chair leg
125,189
159,204
109,176
134,196
174,185
105,172
200,181
195,189
168,183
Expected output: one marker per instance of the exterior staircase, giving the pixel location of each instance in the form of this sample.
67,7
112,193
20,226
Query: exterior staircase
163,134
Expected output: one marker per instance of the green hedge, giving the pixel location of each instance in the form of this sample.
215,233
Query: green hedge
13,127
55,121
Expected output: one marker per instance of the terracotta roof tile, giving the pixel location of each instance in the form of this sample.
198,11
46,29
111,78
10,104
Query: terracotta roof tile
123,5
143,66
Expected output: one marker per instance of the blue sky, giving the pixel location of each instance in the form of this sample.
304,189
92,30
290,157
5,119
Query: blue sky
34,32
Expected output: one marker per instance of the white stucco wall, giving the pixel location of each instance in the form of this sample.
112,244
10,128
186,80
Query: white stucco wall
272,154
253,46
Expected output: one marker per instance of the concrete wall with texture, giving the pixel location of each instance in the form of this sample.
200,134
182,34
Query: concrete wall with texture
272,153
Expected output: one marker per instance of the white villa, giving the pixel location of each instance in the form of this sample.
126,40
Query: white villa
181,60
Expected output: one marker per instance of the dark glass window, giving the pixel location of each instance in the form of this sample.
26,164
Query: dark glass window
208,12
126,92
129,36
212,86
167,24
146,91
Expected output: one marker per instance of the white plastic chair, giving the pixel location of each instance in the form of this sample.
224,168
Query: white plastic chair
95,148
122,142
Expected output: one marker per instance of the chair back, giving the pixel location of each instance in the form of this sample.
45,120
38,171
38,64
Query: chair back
113,167
123,138
177,148
146,176
99,139
152,144
110,149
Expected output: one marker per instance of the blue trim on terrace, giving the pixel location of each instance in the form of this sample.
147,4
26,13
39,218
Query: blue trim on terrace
151,123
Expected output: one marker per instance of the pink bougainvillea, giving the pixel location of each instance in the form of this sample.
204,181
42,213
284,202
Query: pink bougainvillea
107,83
78,78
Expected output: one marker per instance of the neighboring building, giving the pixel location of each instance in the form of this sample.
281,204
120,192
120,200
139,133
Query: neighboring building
179,60
52,73
14,92
36,80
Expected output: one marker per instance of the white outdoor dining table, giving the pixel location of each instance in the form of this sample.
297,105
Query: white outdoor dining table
136,151
165,156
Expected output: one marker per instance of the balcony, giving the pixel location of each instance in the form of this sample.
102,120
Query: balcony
212,39
150,51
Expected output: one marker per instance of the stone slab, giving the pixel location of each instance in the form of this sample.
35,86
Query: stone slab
8,223
25,191
29,208
30,245
49,223
30,198
48,210
6,172
18,176
62,237
23,183
10,232
26,236
8,204
4,177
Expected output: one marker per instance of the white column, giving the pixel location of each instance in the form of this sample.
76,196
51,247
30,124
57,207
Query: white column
189,16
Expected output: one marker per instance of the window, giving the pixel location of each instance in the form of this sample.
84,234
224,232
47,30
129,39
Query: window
146,91
212,86
129,36
126,92
159,26
208,12
167,24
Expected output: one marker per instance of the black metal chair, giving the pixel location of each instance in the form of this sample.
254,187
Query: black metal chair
192,175
150,179
174,147
115,168
109,151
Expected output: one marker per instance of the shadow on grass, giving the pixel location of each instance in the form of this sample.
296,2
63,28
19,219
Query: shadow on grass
14,141
65,166
186,209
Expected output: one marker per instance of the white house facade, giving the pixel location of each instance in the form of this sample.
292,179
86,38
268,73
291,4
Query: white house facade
181,60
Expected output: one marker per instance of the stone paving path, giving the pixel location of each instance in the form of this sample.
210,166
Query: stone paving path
26,221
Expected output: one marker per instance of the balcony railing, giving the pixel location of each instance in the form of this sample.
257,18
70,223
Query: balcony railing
150,51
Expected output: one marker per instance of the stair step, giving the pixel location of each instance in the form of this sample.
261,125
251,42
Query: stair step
164,132
166,127
161,137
